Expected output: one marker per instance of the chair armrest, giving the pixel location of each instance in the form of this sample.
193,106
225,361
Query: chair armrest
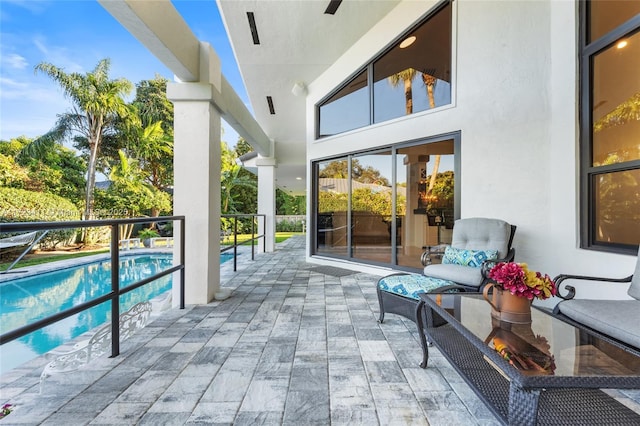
571,291
488,264
432,250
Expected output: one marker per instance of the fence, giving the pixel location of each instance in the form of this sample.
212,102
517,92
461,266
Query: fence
114,295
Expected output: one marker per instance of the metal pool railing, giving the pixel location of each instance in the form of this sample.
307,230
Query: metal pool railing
254,237
114,295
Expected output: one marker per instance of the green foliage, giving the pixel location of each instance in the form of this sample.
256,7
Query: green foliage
56,170
130,193
18,205
289,226
97,105
443,191
239,187
145,234
152,104
12,175
242,147
338,169
364,199
332,202
290,204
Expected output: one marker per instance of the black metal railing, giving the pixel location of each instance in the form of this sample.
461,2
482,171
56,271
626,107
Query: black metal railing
254,236
116,291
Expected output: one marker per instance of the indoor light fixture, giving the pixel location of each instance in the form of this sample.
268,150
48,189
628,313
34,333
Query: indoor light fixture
298,178
299,88
407,42
621,44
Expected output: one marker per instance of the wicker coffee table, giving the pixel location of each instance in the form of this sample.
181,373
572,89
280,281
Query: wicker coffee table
545,372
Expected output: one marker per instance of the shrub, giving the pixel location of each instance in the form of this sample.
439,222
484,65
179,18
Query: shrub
289,226
19,205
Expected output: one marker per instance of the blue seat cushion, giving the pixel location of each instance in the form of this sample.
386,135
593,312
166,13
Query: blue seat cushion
411,285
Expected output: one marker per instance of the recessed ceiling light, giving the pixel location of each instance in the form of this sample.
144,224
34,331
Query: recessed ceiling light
621,44
298,178
407,42
333,6
272,110
253,28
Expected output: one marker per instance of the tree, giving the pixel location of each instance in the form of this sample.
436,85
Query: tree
337,169
430,83
12,175
58,170
239,187
97,102
152,103
242,147
406,77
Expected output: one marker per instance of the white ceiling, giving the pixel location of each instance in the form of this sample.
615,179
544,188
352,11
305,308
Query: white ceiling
298,42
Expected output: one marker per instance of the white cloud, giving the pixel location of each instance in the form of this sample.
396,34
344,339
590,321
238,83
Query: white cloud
4,82
60,56
15,61
34,6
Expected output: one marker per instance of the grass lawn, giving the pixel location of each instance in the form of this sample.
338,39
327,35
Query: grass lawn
37,259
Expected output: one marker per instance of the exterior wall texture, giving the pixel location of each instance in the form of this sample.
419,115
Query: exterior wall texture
515,101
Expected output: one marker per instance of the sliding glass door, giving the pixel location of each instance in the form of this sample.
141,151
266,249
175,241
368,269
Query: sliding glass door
383,207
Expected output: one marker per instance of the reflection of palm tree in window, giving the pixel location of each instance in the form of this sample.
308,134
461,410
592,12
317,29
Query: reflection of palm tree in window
430,83
618,199
406,77
429,80
627,111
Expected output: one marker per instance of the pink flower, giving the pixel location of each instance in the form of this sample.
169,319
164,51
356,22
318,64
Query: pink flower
520,281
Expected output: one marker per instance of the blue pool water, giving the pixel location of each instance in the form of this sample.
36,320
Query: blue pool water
25,300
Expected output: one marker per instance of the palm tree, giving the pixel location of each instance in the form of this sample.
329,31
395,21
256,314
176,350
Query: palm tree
153,148
430,82
97,102
406,77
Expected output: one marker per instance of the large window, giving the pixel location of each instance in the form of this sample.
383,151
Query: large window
610,125
384,206
412,75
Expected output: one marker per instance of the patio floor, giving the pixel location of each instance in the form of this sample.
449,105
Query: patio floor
296,344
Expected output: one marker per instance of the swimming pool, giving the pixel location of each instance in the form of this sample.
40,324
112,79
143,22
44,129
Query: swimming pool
25,300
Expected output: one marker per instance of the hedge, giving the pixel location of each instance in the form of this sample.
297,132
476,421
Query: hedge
19,205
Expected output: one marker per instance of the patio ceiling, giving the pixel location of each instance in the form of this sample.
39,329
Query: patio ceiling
297,42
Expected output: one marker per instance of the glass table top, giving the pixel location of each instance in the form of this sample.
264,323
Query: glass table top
545,346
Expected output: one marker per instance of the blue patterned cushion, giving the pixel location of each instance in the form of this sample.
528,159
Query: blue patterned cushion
472,258
411,285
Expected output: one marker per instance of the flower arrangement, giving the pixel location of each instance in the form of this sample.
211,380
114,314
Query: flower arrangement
520,281
6,410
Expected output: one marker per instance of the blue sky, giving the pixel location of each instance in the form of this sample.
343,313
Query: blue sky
75,35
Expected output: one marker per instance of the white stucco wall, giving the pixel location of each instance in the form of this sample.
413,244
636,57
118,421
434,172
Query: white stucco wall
515,101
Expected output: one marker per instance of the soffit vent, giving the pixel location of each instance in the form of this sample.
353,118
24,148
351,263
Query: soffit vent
270,103
253,28
333,6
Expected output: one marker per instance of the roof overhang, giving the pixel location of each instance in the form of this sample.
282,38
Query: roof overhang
298,41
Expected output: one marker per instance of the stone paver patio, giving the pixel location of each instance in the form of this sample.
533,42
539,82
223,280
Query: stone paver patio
292,346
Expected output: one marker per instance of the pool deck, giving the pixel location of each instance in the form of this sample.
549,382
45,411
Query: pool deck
295,344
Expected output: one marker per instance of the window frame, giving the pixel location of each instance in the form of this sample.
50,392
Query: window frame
588,50
369,68
456,136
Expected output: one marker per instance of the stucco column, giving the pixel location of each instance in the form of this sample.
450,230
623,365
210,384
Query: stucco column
196,193
267,201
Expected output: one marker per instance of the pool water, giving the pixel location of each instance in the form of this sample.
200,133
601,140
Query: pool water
25,300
